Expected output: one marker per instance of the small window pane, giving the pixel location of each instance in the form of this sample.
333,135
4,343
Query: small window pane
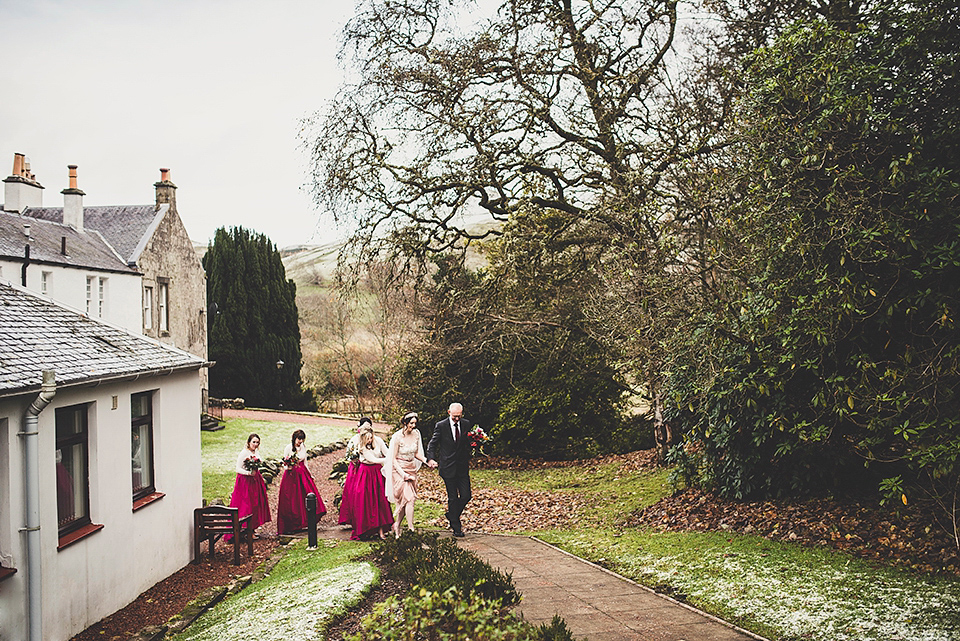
162,306
141,444
71,484
71,464
148,307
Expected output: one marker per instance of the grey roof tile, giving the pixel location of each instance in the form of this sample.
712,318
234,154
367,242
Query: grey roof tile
84,249
37,334
123,226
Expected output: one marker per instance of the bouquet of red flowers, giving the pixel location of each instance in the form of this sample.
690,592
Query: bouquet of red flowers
252,464
291,460
478,438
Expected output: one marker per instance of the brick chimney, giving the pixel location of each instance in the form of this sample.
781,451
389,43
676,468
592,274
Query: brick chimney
73,202
21,189
166,190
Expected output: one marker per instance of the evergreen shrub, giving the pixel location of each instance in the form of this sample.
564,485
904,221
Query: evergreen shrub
437,564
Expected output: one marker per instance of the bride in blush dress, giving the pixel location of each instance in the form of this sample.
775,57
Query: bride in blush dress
370,512
404,460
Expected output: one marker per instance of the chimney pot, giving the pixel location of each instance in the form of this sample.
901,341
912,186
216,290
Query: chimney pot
73,176
166,190
17,164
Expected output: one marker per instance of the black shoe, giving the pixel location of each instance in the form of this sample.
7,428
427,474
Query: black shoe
459,534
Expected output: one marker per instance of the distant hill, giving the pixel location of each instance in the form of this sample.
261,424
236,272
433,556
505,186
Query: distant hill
305,263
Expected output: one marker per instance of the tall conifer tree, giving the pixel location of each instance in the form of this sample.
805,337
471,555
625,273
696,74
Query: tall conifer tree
255,324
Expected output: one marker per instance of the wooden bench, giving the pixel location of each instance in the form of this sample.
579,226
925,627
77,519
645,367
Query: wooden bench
214,521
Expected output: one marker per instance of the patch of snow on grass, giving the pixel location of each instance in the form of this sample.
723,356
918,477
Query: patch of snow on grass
819,603
284,611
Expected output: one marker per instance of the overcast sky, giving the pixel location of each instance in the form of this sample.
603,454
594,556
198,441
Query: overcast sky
213,89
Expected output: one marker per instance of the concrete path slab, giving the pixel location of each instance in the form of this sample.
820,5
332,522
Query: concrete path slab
595,603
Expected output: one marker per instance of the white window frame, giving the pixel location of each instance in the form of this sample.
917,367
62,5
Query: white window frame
102,293
163,293
147,307
46,282
89,295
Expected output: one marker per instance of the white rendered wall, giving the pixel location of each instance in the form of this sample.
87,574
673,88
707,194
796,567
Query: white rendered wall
13,595
68,286
100,574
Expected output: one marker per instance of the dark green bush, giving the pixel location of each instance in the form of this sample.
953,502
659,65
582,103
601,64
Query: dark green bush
444,616
556,631
437,564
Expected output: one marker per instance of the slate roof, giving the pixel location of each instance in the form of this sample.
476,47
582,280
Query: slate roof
37,334
86,249
125,227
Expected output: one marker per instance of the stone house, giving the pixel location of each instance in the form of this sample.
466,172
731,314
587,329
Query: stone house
99,465
88,256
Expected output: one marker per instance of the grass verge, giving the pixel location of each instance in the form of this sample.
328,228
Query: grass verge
782,591
219,450
778,590
609,494
296,601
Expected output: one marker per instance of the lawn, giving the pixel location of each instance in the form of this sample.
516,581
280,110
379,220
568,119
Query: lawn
296,601
220,449
782,591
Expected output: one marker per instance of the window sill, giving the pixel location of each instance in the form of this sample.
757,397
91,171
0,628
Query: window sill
6,573
144,501
69,539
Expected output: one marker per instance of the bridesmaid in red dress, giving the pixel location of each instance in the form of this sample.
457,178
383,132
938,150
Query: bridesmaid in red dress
347,496
250,490
371,511
296,484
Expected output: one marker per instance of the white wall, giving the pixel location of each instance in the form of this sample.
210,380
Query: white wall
105,571
68,286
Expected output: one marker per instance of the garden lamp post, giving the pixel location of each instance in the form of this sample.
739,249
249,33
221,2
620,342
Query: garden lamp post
279,385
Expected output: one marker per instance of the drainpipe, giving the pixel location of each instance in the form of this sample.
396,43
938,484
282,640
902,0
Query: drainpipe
31,459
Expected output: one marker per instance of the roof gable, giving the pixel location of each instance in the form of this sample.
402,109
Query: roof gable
38,335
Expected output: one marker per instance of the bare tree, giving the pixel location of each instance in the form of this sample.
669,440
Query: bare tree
560,104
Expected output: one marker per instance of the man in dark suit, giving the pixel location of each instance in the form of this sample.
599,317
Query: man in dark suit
449,450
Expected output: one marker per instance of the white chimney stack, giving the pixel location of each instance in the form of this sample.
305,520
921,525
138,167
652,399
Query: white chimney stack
21,189
73,202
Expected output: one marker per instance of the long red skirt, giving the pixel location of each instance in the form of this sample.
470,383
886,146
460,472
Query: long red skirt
250,496
370,510
347,497
292,501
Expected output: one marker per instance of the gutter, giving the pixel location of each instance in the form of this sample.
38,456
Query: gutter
97,381
30,434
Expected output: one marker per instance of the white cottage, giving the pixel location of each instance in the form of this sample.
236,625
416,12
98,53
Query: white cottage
99,465
132,265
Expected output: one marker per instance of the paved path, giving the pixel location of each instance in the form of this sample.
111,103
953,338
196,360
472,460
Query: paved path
594,602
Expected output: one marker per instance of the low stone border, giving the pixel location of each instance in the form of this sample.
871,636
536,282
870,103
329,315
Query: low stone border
271,466
180,621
